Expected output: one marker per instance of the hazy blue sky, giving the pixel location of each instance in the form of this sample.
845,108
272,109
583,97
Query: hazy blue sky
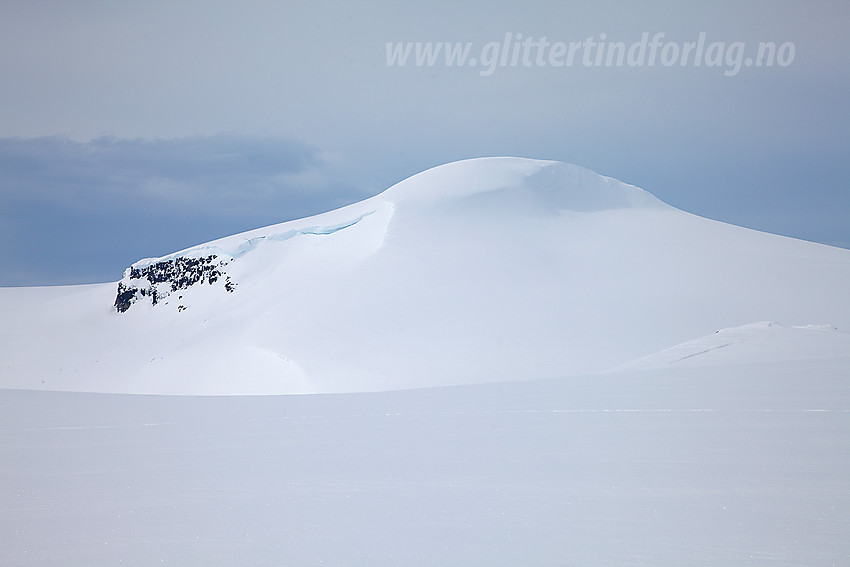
133,129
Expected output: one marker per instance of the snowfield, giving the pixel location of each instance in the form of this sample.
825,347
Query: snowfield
513,362
685,466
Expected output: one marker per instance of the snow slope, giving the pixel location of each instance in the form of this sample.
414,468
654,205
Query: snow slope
477,271
681,466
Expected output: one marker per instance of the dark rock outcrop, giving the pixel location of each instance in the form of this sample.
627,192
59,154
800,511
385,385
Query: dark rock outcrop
158,280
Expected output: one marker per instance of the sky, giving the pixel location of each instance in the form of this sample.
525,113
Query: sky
134,129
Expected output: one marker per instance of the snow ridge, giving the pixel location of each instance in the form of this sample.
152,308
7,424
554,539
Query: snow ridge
248,244
764,341
157,278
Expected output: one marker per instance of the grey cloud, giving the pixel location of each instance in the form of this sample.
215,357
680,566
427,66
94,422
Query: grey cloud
77,212
214,172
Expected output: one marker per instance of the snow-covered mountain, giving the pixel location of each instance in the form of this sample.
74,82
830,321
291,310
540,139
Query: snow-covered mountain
647,446
483,270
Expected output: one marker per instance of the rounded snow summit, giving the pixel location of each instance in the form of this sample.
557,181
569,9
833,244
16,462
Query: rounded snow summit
483,270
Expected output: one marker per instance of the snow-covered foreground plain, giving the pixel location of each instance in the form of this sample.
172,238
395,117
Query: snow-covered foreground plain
746,465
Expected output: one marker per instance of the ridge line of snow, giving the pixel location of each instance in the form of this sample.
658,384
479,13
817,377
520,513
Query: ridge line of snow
249,244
